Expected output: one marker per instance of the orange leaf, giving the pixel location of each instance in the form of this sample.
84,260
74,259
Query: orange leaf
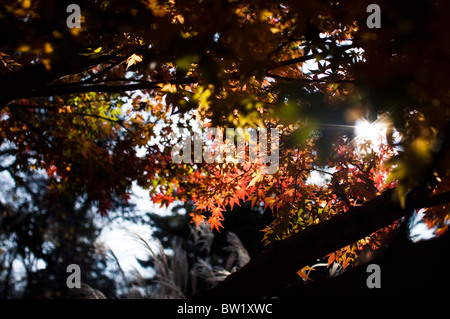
331,258
197,219
302,273
215,223
217,212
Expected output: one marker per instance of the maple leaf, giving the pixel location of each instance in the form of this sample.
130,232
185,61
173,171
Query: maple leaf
302,273
215,222
288,195
197,218
234,200
241,193
258,177
133,59
164,200
217,212
331,258
269,202
103,207
200,205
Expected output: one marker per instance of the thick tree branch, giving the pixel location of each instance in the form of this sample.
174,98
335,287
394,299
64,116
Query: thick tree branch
301,59
409,270
105,70
35,77
77,88
266,272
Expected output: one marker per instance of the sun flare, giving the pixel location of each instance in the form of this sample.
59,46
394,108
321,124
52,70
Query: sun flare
374,132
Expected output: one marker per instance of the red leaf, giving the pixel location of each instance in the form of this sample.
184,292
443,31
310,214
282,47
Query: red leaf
215,223
165,200
197,219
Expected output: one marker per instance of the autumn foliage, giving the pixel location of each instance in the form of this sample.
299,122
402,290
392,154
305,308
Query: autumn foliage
95,108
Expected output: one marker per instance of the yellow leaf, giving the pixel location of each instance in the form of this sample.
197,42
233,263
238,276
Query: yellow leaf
256,179
178,18
168,88
275,30
133,60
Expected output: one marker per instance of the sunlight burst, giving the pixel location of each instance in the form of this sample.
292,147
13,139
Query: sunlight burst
375,132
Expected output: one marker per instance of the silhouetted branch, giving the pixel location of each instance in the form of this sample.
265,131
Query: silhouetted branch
269,270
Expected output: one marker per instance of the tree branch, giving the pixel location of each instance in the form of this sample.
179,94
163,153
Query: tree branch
323,80
35,77
269,270
64,89
105,70
292,61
